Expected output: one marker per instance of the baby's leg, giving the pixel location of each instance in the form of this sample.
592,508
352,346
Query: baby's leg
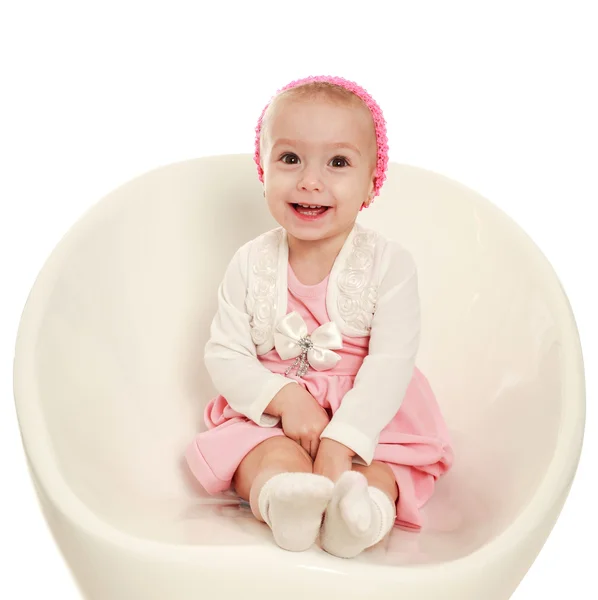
362,510
380,475
277,479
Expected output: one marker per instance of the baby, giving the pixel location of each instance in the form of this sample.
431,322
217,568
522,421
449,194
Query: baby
324,424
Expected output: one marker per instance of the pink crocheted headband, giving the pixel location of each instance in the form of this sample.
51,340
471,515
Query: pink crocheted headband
379,124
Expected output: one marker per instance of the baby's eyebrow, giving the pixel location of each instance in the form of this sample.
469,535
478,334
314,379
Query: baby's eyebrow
336,145
346,145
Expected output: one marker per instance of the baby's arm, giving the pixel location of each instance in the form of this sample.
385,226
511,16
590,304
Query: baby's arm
386,372
230,354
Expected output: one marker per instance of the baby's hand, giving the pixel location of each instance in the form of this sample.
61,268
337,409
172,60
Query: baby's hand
333,459
302,418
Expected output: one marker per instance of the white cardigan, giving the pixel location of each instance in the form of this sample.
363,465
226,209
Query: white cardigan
372,290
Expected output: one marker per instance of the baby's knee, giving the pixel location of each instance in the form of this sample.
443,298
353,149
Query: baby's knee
284,451
275,455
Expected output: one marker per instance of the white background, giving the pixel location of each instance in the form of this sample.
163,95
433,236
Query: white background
500,96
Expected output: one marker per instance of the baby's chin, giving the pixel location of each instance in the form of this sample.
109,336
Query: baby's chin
308,236
317,234
331,223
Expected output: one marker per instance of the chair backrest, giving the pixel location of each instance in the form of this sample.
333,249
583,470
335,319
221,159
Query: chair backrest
119,350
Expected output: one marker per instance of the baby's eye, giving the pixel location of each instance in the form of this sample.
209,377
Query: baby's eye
339,161
289,158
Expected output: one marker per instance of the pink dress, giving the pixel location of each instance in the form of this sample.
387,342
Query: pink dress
415,444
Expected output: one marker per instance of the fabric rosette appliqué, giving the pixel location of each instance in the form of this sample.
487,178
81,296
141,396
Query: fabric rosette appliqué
292,340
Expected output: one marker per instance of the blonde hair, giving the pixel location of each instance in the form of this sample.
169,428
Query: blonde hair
315,89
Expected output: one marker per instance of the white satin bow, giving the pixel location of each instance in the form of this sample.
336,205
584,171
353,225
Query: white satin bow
291,340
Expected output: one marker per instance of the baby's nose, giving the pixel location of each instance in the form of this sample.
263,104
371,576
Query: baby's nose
311,180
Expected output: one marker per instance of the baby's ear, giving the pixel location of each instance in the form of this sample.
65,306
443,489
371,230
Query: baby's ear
371,191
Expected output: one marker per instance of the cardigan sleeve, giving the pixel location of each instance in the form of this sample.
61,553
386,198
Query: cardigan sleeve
383,378
230,354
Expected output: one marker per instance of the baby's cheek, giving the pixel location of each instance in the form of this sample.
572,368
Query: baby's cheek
355,195
278,184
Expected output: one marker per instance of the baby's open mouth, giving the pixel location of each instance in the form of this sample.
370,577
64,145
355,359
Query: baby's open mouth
310,210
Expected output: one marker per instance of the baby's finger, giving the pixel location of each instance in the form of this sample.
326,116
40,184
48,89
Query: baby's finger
315,444
305,443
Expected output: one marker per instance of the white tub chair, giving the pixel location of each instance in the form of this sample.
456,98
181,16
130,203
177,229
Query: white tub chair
110,387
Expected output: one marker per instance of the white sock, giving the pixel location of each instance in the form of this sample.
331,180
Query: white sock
358,516
292,504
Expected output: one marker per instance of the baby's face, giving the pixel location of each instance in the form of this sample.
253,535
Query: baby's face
318,153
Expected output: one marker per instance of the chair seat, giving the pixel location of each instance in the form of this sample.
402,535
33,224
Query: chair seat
110,388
